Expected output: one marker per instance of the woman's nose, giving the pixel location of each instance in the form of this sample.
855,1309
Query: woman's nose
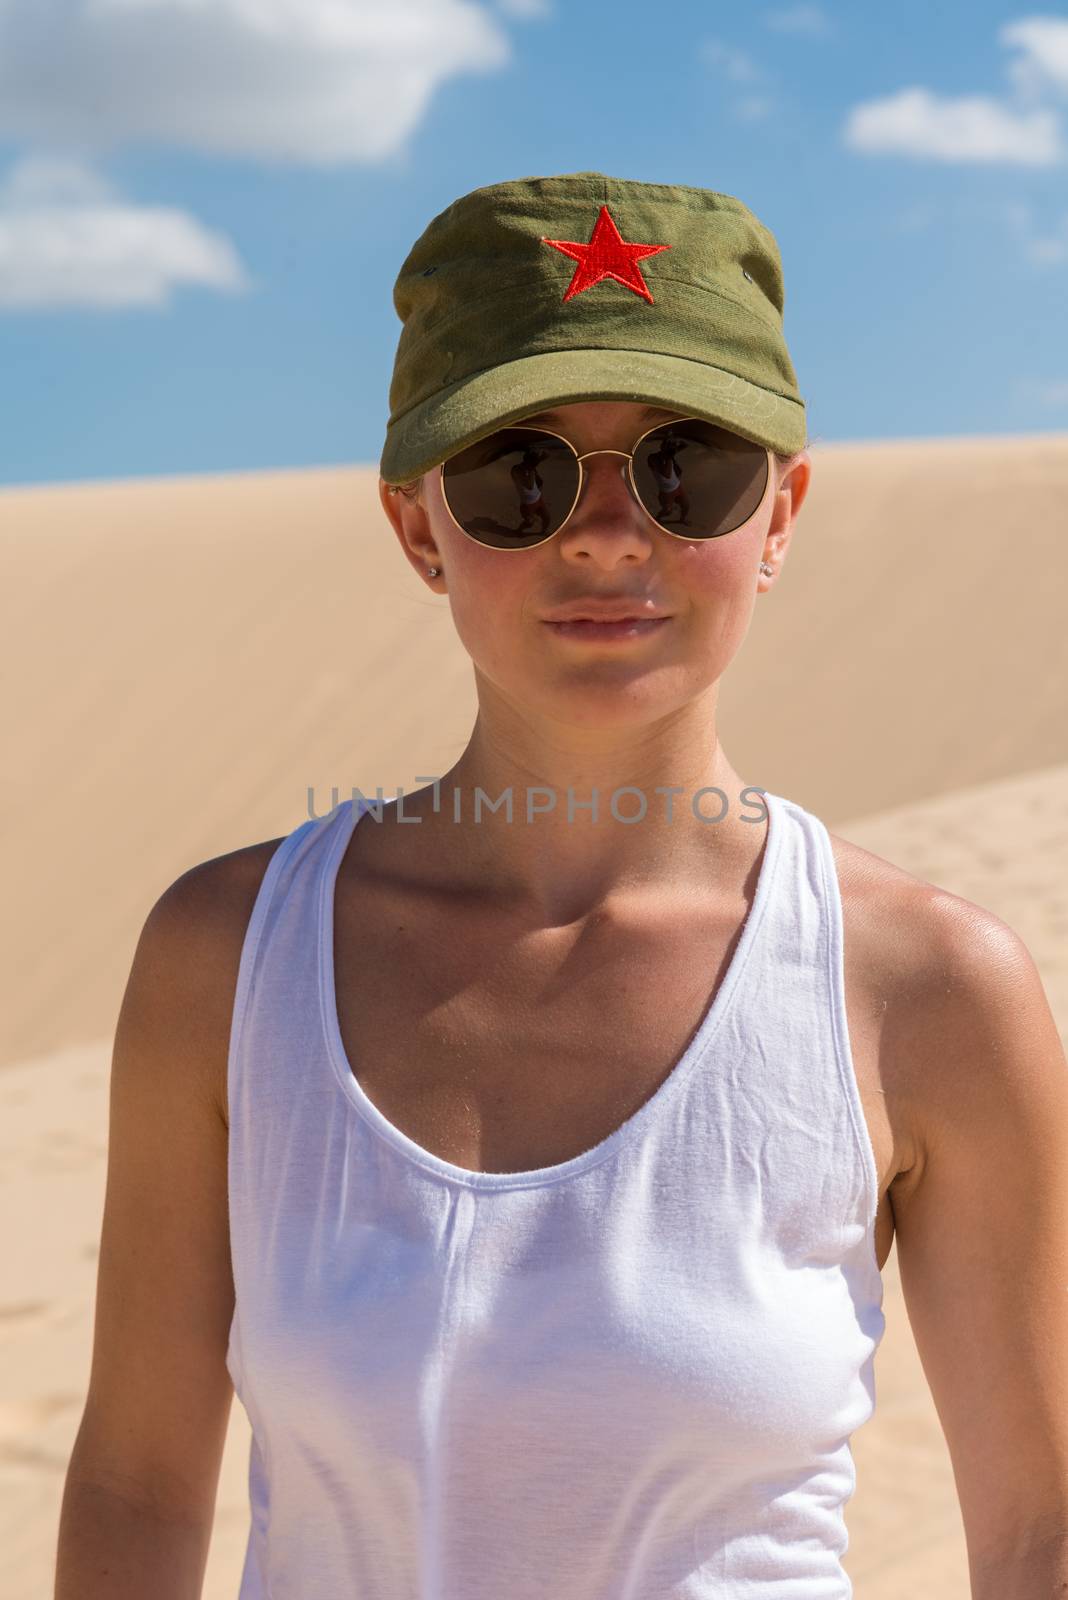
601,475
607,520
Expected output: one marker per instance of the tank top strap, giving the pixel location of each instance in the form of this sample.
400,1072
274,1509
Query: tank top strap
278,971
792,1012
276,1069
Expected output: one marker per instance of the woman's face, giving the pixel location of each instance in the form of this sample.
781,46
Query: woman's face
612,550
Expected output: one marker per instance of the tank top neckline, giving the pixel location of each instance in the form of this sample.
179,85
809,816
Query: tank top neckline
343,822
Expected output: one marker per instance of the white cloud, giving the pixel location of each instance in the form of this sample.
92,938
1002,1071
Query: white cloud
1041,249
1051,393
1043,62
799,19
42,180
737,66
755,107
913,218
1023,130
740,69
317,81
67,239
972,128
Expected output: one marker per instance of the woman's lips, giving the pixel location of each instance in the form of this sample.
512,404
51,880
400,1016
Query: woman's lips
629,628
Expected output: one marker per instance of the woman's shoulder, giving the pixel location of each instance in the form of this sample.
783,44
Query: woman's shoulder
954,985
918,928
193,938
958,1006
211,898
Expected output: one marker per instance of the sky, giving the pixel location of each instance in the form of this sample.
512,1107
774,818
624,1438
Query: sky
204,204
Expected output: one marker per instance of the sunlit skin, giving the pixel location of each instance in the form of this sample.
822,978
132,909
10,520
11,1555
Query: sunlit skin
556,714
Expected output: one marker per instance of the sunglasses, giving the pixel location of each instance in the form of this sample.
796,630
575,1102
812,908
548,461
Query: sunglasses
519,486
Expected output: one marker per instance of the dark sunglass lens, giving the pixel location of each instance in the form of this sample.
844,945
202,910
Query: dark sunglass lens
513,489
698,479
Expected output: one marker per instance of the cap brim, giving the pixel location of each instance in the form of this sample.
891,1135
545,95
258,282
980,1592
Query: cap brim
468,410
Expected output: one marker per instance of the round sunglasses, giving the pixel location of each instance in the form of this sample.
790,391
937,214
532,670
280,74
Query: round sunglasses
518,487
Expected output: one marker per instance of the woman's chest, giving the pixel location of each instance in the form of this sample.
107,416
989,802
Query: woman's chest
501,1052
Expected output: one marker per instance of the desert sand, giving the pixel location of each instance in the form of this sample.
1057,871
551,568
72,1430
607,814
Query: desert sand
187,658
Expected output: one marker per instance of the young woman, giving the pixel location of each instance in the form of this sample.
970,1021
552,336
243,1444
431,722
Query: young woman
526,1151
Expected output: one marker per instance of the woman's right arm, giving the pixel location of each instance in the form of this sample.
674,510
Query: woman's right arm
139,1497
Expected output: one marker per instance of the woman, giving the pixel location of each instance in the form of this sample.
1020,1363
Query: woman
569,1107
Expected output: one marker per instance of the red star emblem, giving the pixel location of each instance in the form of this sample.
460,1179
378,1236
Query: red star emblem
606,256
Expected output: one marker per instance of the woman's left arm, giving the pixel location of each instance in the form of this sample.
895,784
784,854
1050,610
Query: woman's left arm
982,1236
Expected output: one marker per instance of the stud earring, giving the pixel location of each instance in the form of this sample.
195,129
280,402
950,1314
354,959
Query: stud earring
433,572
766,569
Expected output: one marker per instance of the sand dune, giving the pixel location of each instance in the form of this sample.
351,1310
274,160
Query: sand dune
188,657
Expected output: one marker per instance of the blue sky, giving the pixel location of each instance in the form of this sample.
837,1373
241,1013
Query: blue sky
204,203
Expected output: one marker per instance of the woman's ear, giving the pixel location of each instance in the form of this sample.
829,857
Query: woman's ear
410,522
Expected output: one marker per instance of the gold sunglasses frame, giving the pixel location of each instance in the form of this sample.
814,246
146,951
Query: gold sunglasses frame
626,471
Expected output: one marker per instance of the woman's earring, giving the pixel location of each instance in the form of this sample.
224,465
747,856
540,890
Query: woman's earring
433,572
767,569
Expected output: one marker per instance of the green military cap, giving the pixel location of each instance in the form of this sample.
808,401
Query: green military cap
542,291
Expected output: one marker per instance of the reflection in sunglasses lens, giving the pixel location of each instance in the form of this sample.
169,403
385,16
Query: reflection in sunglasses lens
512,489
699,479
515,488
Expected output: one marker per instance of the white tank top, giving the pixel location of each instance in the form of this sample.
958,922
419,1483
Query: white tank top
630,1375
668,480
